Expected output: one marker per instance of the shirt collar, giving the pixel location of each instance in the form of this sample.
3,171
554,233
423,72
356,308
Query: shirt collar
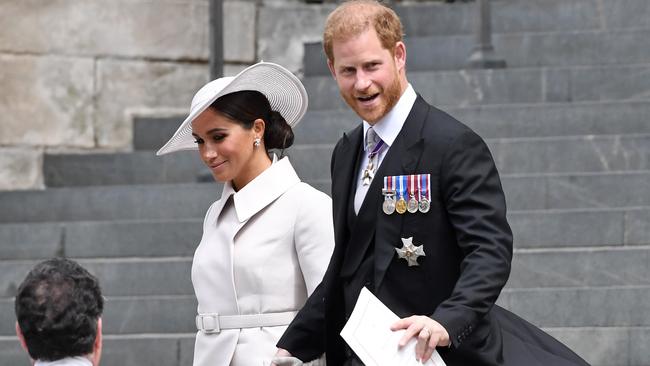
262,190
388,127
68,361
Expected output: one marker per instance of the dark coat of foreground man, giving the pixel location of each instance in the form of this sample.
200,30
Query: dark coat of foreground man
465,234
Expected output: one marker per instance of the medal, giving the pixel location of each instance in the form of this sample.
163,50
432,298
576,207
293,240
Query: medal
423,185
400,205
389,196
410,252
412,205
369,172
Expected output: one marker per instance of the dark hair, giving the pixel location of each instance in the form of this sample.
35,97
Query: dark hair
57,307
248,105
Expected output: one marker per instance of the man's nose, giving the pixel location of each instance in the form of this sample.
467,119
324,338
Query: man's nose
363,82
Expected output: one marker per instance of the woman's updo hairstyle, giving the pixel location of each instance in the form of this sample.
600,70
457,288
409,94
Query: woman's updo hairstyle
246,106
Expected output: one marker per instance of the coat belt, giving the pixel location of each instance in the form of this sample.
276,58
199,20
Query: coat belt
214,323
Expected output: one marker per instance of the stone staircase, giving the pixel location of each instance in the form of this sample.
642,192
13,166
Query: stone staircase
567,122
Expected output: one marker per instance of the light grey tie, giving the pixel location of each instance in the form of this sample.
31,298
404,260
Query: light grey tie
372,139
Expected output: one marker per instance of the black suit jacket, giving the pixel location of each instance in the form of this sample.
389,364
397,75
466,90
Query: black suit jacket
466,238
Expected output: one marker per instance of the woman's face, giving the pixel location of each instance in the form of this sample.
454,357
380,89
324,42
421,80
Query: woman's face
225,147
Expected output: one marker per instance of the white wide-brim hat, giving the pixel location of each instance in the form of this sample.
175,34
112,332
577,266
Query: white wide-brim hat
285,93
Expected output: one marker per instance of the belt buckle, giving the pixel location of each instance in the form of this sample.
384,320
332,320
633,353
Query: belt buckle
211,326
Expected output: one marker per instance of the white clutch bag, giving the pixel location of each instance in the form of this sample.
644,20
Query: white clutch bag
293,361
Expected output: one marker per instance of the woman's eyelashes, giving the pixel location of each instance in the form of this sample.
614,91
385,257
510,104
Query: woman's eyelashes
216,138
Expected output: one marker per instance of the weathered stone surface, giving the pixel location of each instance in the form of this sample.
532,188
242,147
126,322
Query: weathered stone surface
122,350
46,101
239,31
581,307
280,37
577,267
637,227
21,168
145,314
607,346
506,86
11,353
130,28
124,87
22,241
557,229
588,154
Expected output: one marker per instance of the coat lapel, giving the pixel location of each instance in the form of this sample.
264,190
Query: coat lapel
402,158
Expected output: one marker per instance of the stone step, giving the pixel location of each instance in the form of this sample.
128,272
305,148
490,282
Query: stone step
151,133
97,203
599,346
512,155
144,276
619,306
179,237
503,121
580,267
615,306
580,48
524,16
547,268
511,85
139,167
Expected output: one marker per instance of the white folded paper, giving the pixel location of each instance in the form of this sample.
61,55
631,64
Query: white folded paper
368,333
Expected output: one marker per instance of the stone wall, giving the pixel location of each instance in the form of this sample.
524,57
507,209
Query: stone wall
74,73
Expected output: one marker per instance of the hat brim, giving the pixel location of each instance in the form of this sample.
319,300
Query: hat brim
285,93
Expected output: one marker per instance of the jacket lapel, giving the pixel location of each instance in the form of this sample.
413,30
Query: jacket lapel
402,158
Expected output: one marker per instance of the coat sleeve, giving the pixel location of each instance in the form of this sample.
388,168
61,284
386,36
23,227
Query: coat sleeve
314,237
472,193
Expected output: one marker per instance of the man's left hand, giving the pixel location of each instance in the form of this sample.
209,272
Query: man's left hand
430,334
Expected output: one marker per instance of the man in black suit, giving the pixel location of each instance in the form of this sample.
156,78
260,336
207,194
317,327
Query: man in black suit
440,261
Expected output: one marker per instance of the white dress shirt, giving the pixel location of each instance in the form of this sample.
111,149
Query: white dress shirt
68,361
387,128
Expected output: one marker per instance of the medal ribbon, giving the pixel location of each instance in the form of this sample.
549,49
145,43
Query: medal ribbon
424,189
402,185
374,151
411,181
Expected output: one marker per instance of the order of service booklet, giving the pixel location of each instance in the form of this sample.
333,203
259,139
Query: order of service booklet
368,333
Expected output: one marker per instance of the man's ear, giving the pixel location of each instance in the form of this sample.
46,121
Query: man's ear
400,55
21,337
97,347
330,65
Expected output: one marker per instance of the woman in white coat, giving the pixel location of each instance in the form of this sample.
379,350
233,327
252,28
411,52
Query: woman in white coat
268,240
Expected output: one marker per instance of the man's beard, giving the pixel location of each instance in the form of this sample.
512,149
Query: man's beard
390,97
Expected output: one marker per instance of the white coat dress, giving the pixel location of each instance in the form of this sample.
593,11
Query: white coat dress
264,249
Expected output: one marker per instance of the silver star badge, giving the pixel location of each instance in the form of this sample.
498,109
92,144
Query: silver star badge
410,252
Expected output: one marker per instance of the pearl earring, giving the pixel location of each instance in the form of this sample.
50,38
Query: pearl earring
257,142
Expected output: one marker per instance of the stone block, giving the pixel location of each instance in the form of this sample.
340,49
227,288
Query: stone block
239,31
556,229
130,28
21,168
124,88
637,227
109,203
152,132
11,353
25,241
605,346
160,350
7,317
312,162
186,351
518,49
154,314
588,154
47,101
144,239
524,193
599,190
556,119
581,307
142,167
280,38
577,267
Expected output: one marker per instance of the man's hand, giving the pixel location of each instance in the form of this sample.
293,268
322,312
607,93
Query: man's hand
429,333
281,353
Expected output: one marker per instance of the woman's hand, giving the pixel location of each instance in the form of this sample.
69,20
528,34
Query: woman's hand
430,334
